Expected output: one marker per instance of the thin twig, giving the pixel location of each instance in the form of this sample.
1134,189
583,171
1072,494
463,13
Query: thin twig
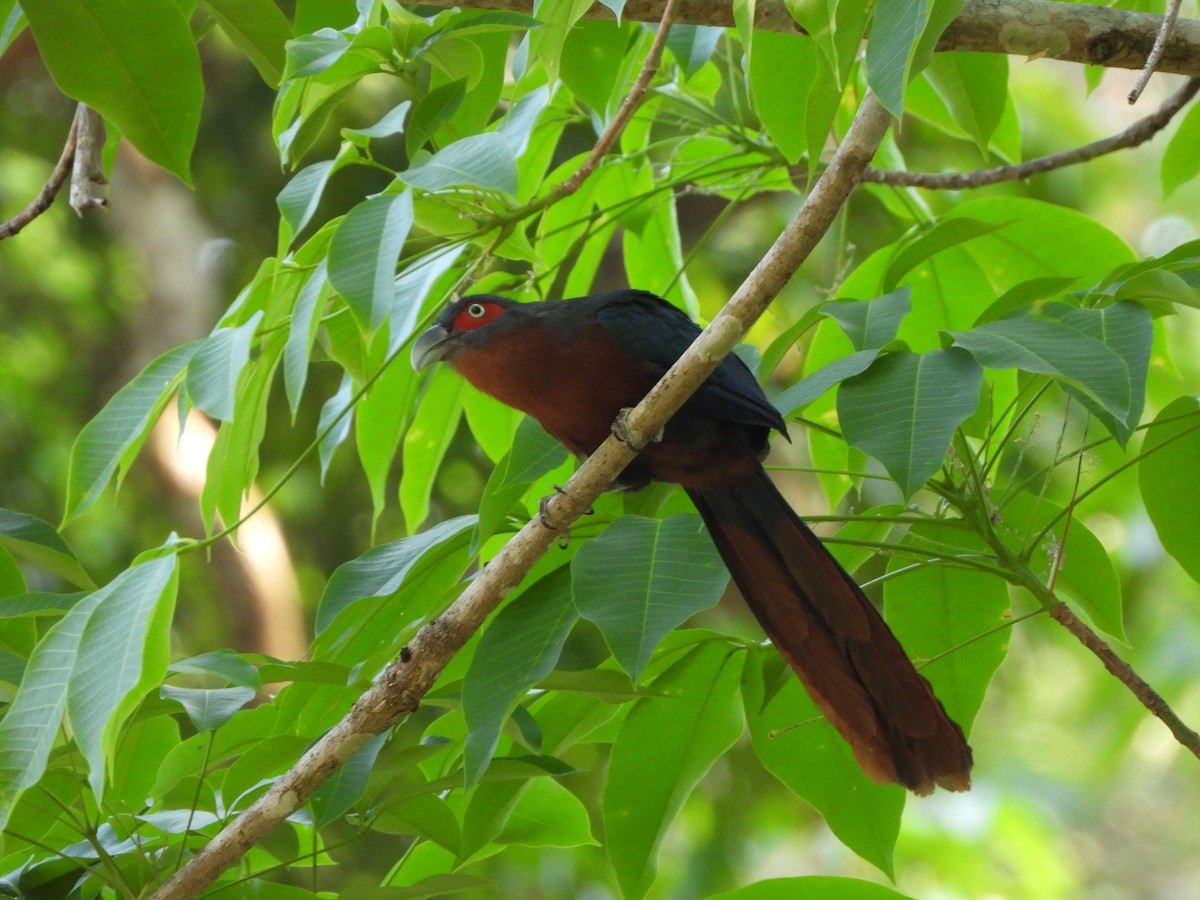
1138,133
49,191
615,128
1149,697
1156,52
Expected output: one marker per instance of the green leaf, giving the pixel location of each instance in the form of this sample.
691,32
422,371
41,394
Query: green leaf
945,234
974,87
334,422
1126,328
30,538
1085,570
480,160
302,332
301,196
533,453
894,33
684,733
390,124
1055,349
954,615
1168,476
870,324
119,429
233,461
904,409
591,63
258,29
208,709
812,887
12,23
37,603
364,251
518,649
813,385
692,46
427,440
547,815
1024,294
224,664
641,578
342,789
134,62
431,112
214,369
123,653
382,570
782,70
1180,162
557,18
33,720
802,750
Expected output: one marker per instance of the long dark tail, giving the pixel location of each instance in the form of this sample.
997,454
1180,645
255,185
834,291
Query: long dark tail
826,628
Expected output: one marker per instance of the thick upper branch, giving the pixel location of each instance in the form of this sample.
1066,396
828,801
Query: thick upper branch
1076,32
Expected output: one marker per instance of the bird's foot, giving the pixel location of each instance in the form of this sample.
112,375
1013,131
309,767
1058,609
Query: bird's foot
631,437
544,516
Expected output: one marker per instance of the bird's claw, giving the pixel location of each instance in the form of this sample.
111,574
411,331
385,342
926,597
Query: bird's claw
635,440
544,516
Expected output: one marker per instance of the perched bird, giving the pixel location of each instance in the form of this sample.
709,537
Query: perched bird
574,364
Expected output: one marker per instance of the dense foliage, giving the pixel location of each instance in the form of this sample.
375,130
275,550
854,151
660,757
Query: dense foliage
993,392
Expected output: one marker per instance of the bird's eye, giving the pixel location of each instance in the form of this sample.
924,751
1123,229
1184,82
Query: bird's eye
476,311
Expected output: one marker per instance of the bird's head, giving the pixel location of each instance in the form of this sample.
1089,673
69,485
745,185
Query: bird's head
459,325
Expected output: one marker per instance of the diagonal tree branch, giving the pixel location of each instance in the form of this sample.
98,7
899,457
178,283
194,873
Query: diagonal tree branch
1075,32
1138,133
400,689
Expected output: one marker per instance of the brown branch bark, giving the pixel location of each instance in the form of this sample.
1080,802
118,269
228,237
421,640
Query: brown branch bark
50,189
405,681
1075,32
1138,133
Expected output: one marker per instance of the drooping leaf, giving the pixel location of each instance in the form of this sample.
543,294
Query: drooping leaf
642,578
123,653
214,369
945,234
903,410
802,750
383,569
684,733
870,324
120,428
518,649
1180,163
364,251
1055,349
135,62
894,33
1168,473
480,160
951,613
813,385
259,30
1080,567
1126,328
342,790
33,720
208,709
30,538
